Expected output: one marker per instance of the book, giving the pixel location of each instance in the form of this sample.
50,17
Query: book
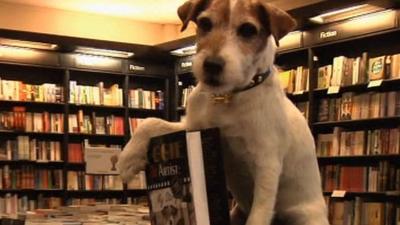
185,178
376,69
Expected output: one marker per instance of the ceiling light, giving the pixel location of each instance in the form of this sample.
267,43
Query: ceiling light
345,13
189,50
27,44
104,52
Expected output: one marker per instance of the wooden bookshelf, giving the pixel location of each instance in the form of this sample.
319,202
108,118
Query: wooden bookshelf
61,68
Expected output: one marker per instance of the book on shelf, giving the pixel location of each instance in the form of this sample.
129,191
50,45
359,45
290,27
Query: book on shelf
376,69
134,123
75,153
95,95
146,99
324,76
93,124
356,143
26,148
185,95
185,174
19,91
381,177
304,108
21,120
295,80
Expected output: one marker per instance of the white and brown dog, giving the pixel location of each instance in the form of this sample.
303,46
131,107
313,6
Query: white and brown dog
269,151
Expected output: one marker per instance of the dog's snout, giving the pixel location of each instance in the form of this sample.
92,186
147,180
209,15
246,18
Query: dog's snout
214,65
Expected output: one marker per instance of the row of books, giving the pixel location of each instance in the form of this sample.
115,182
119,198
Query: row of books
92,124
19,119
78,180
95,95
363,142
29,177
145,99
185,95
19,91
385,176
25,148
351,106
361,212
13,204
295,80
347,71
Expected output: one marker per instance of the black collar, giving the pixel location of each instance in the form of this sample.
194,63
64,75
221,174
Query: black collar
257,80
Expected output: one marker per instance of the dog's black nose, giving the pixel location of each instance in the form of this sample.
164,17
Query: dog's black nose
213,65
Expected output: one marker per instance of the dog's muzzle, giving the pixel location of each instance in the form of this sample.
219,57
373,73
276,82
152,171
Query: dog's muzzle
213,67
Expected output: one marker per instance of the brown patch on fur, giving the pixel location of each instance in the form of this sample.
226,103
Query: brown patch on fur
190,10
219,14
247,14
277,21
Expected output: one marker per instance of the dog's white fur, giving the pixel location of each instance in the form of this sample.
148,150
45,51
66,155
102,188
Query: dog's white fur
269,151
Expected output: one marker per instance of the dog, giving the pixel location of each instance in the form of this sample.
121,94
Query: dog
268,149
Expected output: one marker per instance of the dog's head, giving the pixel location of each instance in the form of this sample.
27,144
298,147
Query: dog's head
236,39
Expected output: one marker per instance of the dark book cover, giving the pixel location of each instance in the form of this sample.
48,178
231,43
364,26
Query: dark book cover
174,185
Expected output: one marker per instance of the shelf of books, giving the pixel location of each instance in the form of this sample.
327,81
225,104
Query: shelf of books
356,126
50,103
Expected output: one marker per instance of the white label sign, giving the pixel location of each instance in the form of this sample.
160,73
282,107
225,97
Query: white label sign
338,194
136,68
298,92
333,90
375,83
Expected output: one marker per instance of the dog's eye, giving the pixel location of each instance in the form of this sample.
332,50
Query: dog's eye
247,30
204,24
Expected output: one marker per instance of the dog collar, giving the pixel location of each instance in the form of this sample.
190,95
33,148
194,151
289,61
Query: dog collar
257,80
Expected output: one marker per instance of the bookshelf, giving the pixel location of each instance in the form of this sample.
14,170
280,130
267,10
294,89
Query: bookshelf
78,79
377,34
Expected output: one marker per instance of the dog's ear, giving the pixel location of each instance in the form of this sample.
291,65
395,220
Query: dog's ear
190,10
276,20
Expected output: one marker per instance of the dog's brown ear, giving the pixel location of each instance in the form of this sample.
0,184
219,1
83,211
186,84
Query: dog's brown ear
190,10
276,20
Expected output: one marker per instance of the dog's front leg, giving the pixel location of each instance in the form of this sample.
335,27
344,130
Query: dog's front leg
266,182
133,158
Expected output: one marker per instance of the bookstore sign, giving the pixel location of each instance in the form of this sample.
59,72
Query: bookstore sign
136,68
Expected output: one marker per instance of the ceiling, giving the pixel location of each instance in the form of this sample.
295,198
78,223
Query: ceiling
158,11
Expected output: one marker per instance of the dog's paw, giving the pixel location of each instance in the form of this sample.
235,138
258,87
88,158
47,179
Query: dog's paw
133,158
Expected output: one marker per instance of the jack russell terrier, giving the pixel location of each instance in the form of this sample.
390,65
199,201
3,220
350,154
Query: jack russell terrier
269,151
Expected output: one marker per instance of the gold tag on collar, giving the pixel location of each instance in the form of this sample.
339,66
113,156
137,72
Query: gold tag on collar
222,99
